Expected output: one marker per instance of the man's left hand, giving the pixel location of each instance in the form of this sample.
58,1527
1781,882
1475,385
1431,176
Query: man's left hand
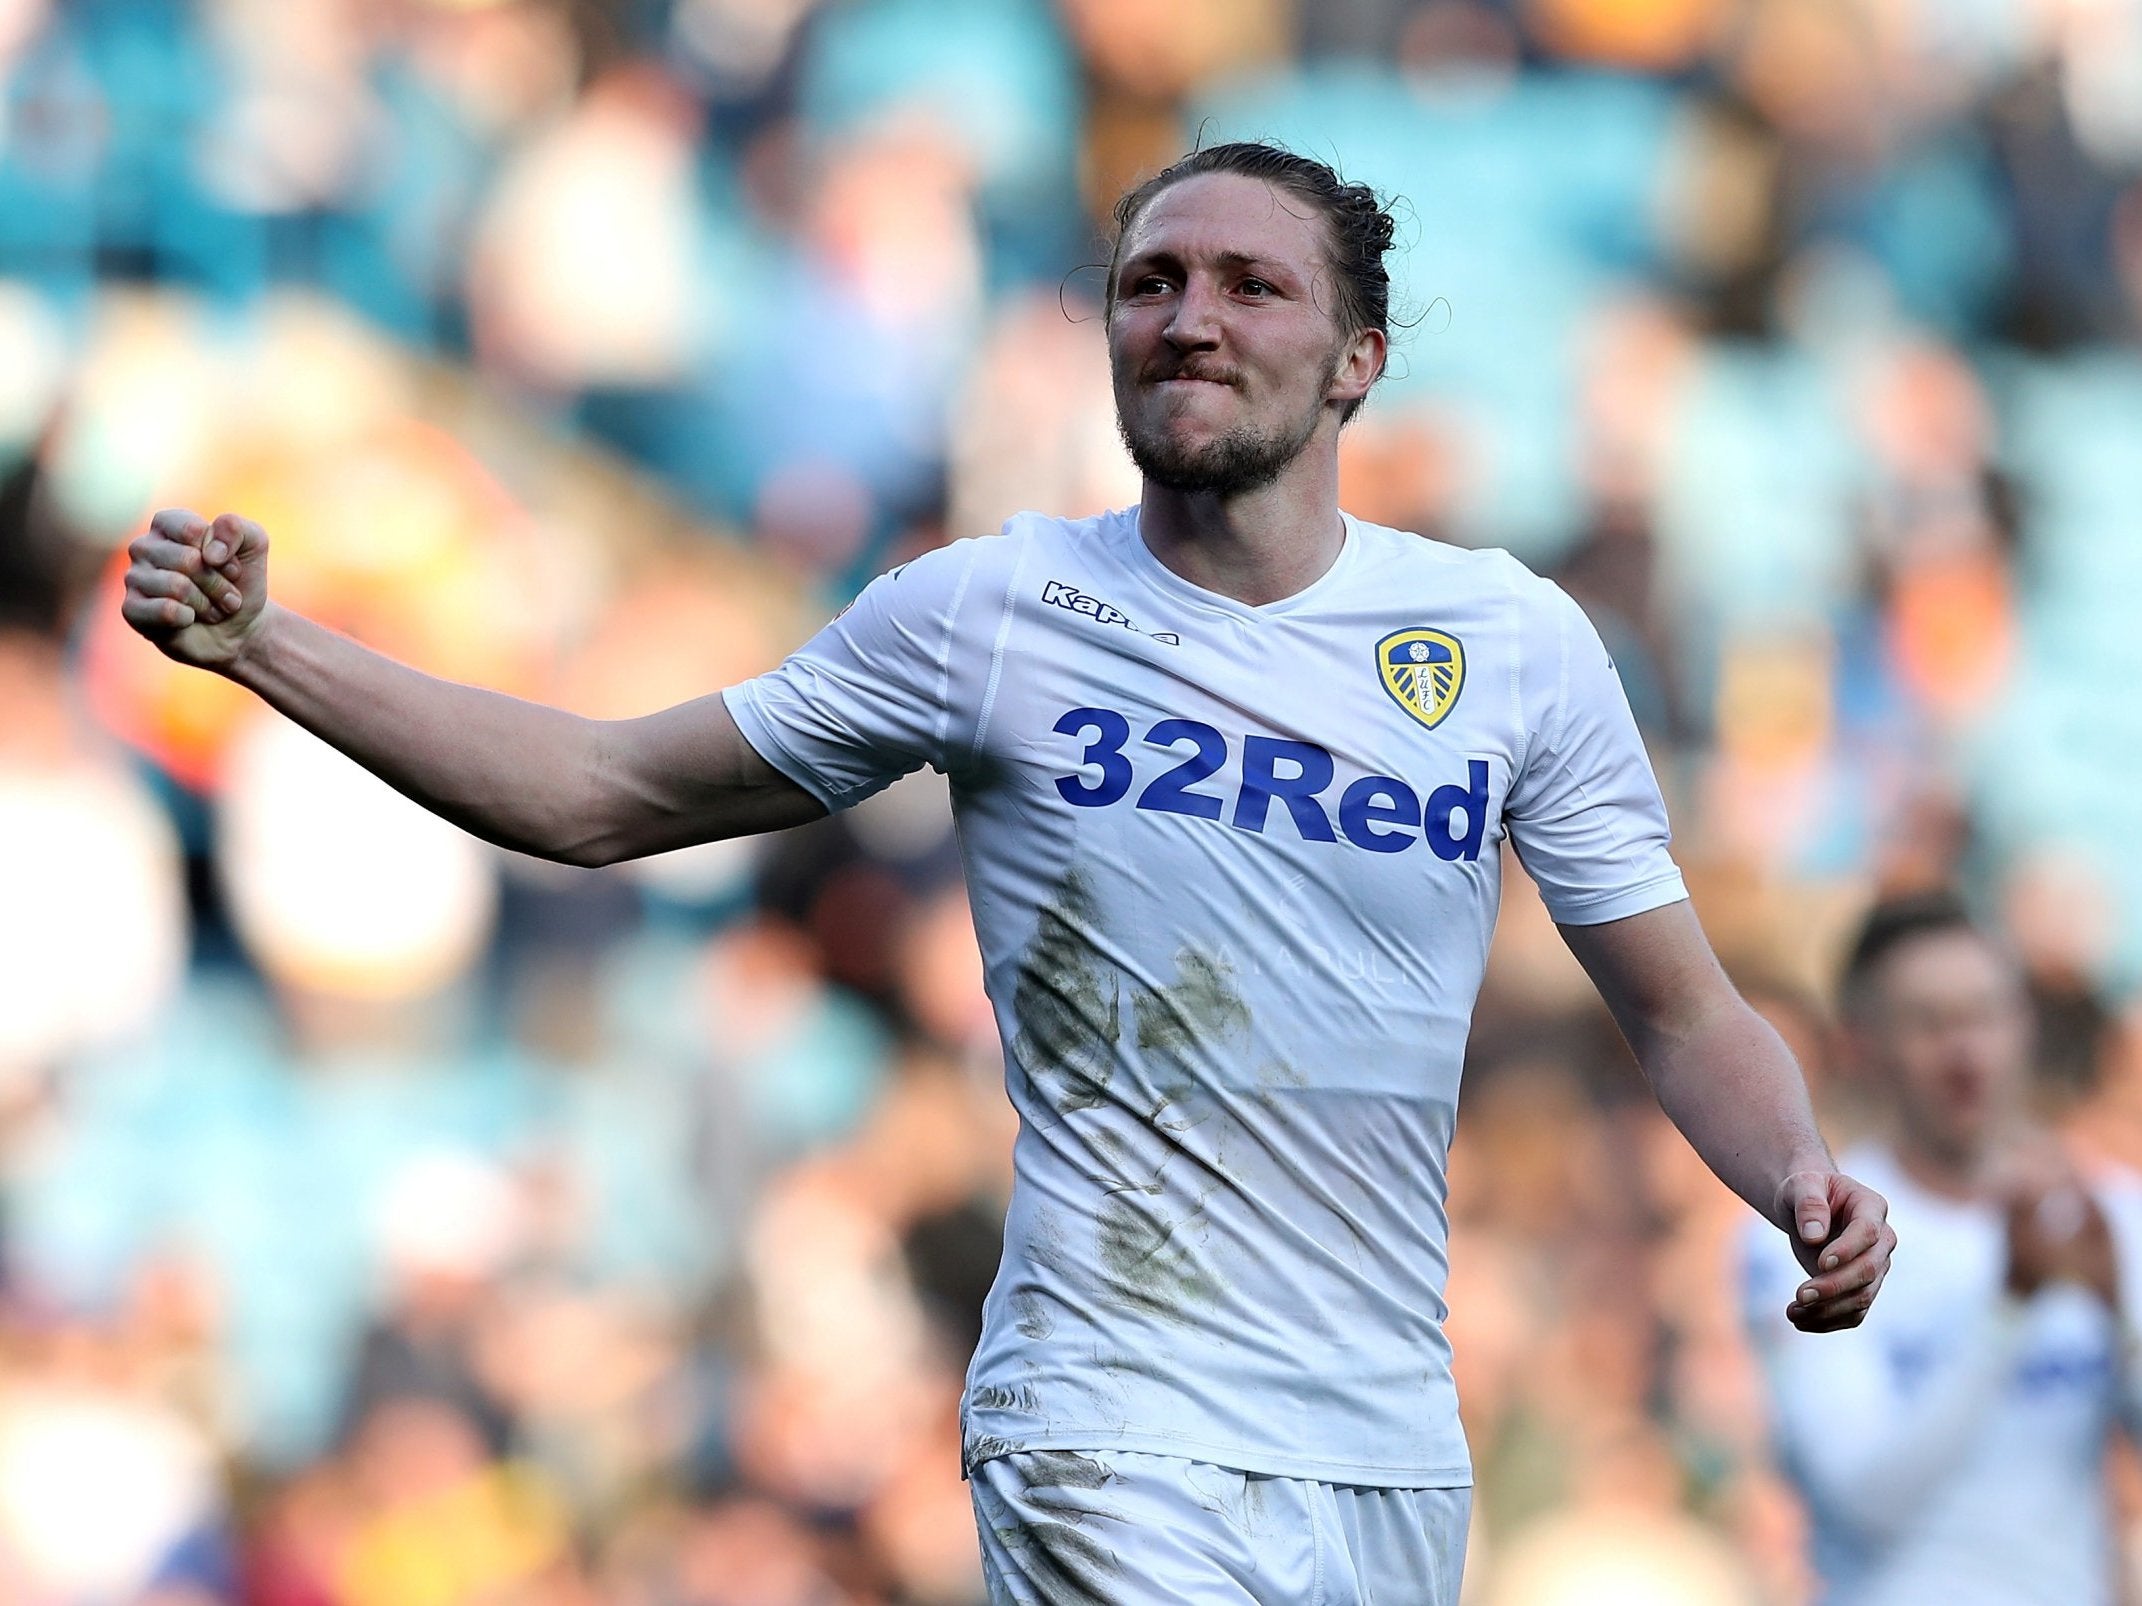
1840,1231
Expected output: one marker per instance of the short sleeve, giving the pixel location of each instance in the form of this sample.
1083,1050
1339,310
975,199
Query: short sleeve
876,693
1584,811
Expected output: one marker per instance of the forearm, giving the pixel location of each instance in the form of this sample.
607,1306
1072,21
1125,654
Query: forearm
1718,1070
512,772
1727,1080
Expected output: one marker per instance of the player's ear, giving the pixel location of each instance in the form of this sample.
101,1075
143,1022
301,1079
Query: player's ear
1361,363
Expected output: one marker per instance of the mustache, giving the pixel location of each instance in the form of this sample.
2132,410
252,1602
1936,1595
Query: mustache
1212,373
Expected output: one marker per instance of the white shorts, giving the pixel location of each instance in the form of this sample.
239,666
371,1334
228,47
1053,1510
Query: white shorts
1115,1528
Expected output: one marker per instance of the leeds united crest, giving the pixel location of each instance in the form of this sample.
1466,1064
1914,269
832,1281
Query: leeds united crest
1423,670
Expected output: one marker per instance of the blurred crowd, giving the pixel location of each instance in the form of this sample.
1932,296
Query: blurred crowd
387,1221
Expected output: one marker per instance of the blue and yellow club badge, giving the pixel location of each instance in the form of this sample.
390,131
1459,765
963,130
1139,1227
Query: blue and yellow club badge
1423,670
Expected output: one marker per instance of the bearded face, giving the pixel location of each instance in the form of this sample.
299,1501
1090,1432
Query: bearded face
1223,351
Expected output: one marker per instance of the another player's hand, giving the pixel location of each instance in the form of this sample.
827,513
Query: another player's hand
1842,1235
198,589
2057,1232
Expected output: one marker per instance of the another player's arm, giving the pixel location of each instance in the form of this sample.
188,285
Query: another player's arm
1730,1084
525,776
1868,1447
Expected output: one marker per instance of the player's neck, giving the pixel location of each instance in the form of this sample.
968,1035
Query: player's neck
1259,547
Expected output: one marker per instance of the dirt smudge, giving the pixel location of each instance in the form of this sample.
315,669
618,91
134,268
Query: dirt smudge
1201,1006
1045,1242
1000,1397
1148,1248
1063,1469
1060,1562
1068,1002
1050,1546
1034,1318
1274,1074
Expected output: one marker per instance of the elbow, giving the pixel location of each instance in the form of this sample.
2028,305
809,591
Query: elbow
589,855
581,851
590,823
581,836
587,844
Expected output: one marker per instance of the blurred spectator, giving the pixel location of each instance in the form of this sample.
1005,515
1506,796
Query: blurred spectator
1955,1448
437,1520
449,1231
99,899
584,272
107,1492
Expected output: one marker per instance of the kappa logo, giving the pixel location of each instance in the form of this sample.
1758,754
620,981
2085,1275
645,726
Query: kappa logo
1072,600
1423,670
1058,595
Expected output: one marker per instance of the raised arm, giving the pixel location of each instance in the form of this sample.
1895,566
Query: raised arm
528,777
1729,1083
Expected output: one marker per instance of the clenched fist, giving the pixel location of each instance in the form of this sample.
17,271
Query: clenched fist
197,589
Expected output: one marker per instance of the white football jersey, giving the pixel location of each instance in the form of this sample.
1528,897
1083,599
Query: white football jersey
1234,871
1951,1448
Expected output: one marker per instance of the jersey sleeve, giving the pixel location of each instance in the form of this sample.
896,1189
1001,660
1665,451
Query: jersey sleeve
1584,810
881,690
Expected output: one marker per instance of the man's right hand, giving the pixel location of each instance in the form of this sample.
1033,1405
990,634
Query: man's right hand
198,589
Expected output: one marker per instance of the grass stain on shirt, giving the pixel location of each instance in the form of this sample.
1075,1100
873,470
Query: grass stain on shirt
1068,1002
